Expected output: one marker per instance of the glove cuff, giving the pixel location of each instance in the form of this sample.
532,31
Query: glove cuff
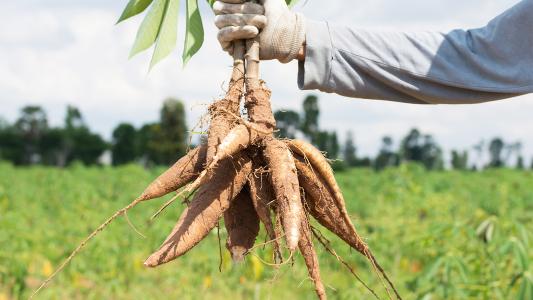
295,40
285,41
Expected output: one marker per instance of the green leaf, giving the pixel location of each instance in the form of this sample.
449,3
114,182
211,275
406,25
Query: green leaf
194,32
434,268
168,32
291,3
526,291
519,251
134,8
211,2
523,234
149,29
461,268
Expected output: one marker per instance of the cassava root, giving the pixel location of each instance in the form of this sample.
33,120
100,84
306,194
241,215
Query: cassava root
247,177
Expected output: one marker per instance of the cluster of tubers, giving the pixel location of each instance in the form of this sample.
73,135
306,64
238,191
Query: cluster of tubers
246,176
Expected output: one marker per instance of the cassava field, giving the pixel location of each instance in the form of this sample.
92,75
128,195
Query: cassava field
439,235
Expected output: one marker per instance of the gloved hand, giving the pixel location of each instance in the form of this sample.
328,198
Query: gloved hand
282,31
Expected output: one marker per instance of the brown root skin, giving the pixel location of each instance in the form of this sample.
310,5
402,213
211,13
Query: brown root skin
320,164
257,103
242,224
222,110
262,194
311,259
325,209
238,139
204,211
221,119
286,189
178,175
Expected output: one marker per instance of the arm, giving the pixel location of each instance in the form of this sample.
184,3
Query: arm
460,67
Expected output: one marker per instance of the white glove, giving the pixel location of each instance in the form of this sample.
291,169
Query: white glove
282,31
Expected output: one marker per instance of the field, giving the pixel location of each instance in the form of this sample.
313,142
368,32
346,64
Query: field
440,235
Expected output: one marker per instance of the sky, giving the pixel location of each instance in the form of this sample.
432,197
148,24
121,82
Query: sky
59,52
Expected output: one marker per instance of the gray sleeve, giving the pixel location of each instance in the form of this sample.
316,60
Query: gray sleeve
459,67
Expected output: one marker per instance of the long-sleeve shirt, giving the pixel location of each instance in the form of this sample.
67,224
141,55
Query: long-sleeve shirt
459,67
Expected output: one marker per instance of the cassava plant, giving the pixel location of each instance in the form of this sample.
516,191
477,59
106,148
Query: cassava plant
242,173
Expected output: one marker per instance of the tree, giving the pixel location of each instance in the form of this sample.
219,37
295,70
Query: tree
386,156
423,149
333,145
432,154
79,143
173,132
147,143
311,112
124,146
350,151
411,147
166,141
73,118
31,126
496,147
365,162
327,142
479,149
11,145
287,123
520,165
512,149
52,147
459,160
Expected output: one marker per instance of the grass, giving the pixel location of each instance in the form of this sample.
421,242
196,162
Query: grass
440,235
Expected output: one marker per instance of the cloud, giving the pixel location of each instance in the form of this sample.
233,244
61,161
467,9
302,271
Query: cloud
62,52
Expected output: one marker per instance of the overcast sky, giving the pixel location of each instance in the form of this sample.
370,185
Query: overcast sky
59,52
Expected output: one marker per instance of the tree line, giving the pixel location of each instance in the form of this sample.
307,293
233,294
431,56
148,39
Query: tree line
416,146
31,140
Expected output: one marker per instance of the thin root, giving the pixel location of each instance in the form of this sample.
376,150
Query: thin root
289,260
133,226
264,244
250,125
83,243
325,242
168,203
220,257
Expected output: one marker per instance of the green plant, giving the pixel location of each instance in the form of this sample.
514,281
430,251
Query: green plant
160,27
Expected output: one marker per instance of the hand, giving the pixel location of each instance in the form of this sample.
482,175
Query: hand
282,33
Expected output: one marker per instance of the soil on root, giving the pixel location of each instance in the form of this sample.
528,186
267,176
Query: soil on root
242,223
204,211
185,170
311,259
263,200
286,188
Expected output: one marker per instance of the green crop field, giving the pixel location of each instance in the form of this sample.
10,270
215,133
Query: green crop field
440,235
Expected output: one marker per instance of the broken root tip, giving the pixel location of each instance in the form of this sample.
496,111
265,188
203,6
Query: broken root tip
151,262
